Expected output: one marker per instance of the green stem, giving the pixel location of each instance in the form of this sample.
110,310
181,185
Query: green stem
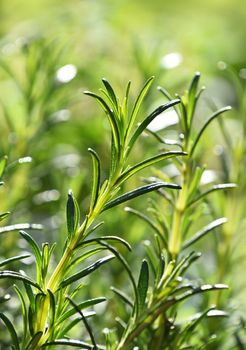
55,278
175,239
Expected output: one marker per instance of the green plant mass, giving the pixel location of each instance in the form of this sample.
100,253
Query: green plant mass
121,207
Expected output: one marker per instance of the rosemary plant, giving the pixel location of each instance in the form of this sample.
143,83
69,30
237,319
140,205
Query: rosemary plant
158,325
47,301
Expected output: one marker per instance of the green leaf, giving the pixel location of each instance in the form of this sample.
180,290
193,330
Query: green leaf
24,310
13,259
45,256
211,190
195,182
72,323
128,270
73,214
126,100
18,227
52,310
84,256
81,306
17,276
123,296
137,105
192,97
150,222
30,295
110,238
112,120
87,326
143,283
85,271
34,341
148,120
71,342
189,330
3,163
165,93
202,289
36,251
138,192
96,177
215,115
4,215
11,330
31,319
110,92
146,163
205,230
151,256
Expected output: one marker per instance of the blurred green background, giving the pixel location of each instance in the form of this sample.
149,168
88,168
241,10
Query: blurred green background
101,33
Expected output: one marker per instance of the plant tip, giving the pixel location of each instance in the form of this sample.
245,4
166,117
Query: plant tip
70,192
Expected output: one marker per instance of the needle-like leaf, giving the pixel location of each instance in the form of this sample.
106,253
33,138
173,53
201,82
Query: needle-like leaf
148,120
18,276
138,192
204,231
86,271
137,105
95,177
11,330
143,283
73,214
146,163
215,115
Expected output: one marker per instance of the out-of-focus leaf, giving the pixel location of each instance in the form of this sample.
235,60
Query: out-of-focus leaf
211,190
4,215
13,259
150,222
195,182
34,341
215,115
204,231
24,310
122,296
11,330
17,276
202,289
18,227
